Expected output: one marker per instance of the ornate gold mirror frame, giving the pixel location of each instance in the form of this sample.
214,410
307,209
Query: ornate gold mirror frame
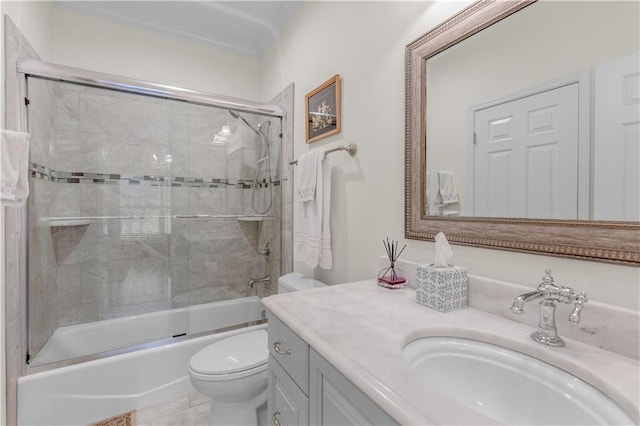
617,242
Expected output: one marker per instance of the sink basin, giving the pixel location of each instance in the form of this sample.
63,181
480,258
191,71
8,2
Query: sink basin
509,386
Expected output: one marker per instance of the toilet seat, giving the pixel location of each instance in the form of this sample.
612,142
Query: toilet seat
236,356
229,377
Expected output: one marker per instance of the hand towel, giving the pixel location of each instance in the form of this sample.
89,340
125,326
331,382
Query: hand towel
312,242
307,175
448,190
14,168
434,201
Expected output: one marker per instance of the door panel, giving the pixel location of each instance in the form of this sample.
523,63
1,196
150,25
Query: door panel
525,156
617,140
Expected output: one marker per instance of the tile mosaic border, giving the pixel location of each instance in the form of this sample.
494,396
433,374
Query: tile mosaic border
38,171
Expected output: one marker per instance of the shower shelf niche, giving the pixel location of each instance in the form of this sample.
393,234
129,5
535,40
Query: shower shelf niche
254,218
86,220
57,222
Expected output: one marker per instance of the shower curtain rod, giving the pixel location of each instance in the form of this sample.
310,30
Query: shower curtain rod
35,68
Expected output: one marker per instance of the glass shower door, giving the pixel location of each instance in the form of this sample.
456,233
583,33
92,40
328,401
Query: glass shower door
145,215
100,227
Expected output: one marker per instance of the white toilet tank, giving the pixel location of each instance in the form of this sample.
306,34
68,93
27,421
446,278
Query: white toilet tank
296,282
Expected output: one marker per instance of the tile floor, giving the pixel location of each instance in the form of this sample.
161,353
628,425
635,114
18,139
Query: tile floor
189,410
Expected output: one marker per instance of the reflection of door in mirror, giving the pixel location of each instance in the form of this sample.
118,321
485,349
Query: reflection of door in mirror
523,156
617,140
540,44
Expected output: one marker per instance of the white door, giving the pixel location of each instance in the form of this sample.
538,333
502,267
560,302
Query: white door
526,156
616,183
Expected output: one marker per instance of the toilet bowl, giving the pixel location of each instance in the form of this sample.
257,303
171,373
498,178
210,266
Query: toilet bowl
233,371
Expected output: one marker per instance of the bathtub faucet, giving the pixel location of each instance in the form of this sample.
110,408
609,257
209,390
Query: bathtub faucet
253,281
551,294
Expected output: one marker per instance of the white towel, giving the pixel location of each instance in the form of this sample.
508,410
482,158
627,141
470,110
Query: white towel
307,175
14,168
448,190
312,242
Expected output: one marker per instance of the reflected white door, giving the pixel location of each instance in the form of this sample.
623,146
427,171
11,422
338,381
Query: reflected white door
617,140
526,156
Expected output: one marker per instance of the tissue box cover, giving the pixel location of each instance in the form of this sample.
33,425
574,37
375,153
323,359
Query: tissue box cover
443,289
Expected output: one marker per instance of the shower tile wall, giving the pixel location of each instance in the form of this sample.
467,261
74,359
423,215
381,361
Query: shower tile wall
113,155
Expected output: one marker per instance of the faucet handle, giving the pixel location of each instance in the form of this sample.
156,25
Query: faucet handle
578,304
518,304
547,283
265,251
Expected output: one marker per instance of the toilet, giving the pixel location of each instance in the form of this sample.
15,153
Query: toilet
297,282
233,371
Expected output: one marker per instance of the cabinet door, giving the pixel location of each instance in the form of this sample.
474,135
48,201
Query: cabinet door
334,400
288,405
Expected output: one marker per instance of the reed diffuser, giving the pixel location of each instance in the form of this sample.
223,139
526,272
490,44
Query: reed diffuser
388,276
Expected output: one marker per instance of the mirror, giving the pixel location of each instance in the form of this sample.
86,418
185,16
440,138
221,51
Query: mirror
518,144
454,78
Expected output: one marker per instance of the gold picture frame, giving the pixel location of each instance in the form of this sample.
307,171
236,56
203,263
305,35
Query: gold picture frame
322,110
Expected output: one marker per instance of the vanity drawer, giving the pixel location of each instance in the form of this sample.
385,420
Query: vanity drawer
291,352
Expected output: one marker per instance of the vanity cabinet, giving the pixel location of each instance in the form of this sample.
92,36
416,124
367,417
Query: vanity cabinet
334,400
306,389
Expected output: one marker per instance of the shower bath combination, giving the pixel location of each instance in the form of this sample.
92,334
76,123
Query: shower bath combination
113,239
101,204
264,157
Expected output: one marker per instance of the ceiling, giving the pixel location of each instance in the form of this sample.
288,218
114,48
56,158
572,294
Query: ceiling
245,27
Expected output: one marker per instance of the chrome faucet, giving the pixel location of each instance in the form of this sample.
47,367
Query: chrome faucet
266,251
551,294
253,281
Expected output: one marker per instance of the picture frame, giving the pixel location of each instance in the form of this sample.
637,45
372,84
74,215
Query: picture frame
322,110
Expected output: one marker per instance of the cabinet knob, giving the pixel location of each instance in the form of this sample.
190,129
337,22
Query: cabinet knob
274,418
276,347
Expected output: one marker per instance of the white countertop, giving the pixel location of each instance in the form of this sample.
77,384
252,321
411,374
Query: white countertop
361,328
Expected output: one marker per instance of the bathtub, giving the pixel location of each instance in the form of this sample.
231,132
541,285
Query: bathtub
94,390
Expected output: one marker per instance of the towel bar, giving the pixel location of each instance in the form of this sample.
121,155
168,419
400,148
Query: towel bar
352,149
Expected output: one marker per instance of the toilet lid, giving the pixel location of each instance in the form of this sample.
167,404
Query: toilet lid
232,354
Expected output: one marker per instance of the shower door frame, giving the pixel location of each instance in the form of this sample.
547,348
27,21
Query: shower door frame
35,68
43,70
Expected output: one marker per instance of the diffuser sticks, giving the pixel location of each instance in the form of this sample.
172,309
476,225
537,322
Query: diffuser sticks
392,280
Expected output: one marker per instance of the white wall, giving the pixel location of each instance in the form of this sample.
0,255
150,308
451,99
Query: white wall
34,20
68,38
364,42
95,44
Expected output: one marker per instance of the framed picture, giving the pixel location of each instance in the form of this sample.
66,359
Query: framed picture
322,110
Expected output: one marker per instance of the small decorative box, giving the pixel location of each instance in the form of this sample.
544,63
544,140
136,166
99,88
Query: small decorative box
443,289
